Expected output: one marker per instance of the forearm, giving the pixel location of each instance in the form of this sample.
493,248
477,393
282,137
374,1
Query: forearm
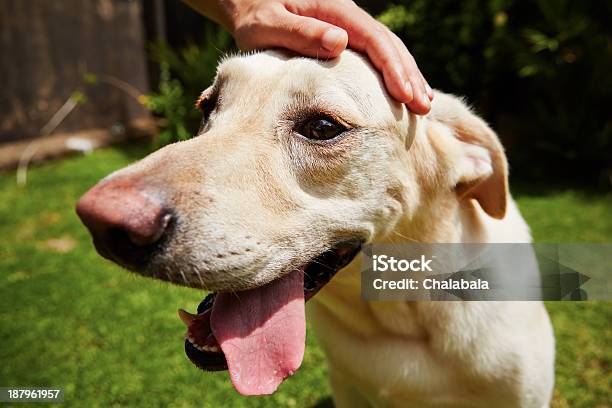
220,11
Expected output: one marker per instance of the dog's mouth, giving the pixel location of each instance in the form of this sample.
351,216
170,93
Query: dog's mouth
259,334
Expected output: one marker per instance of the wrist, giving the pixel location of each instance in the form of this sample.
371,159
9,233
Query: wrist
224,12
229,12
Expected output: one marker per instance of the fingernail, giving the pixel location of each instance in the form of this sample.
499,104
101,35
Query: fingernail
409,91
425,99
429,90
332,38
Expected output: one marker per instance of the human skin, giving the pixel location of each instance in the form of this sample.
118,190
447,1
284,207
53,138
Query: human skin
323,29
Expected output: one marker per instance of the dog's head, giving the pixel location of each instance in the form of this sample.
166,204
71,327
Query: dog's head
295,158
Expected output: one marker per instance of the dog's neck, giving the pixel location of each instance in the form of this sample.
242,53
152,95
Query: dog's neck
441,221
342,296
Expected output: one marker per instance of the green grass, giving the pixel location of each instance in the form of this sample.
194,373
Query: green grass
70,319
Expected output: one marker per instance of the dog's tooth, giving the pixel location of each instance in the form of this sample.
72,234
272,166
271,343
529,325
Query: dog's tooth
211,349
186,317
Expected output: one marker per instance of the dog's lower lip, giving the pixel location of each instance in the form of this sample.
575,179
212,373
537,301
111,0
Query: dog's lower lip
205,360
317,273
322,269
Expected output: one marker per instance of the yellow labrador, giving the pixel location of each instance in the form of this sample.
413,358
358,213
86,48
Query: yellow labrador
297,163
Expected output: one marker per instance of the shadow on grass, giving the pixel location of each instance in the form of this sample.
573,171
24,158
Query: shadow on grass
324,403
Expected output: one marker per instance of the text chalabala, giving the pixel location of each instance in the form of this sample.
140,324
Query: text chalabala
384,263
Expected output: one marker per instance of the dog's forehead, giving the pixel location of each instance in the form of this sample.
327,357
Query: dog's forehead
349,76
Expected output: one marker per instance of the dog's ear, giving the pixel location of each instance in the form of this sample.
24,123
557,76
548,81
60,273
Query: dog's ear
207,102
481,170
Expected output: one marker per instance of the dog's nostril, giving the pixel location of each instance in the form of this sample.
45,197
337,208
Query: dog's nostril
139,235
130,247
152,234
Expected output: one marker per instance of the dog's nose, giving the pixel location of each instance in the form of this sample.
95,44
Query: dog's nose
124,221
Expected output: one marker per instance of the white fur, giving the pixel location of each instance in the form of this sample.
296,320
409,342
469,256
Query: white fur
255,200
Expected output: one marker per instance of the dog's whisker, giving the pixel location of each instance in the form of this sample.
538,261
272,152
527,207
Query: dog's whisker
405,237
184,277
197,271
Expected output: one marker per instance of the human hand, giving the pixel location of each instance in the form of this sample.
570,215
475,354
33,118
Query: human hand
323,29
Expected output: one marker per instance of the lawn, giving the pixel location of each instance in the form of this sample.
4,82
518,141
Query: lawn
70,319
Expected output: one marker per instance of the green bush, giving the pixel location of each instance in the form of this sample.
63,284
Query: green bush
538,70
185,73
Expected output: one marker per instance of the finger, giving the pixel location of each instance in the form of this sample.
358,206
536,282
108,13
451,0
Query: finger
409,61
420,104
384,55
430,91
311,36
304,35
367,35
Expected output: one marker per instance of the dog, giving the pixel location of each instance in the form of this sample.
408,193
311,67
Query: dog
297,163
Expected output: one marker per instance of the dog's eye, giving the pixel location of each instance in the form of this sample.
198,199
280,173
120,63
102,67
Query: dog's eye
321,129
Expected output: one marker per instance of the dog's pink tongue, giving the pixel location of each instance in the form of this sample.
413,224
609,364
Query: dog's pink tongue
262,333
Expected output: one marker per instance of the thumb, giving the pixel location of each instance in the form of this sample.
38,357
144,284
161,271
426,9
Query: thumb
308,36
